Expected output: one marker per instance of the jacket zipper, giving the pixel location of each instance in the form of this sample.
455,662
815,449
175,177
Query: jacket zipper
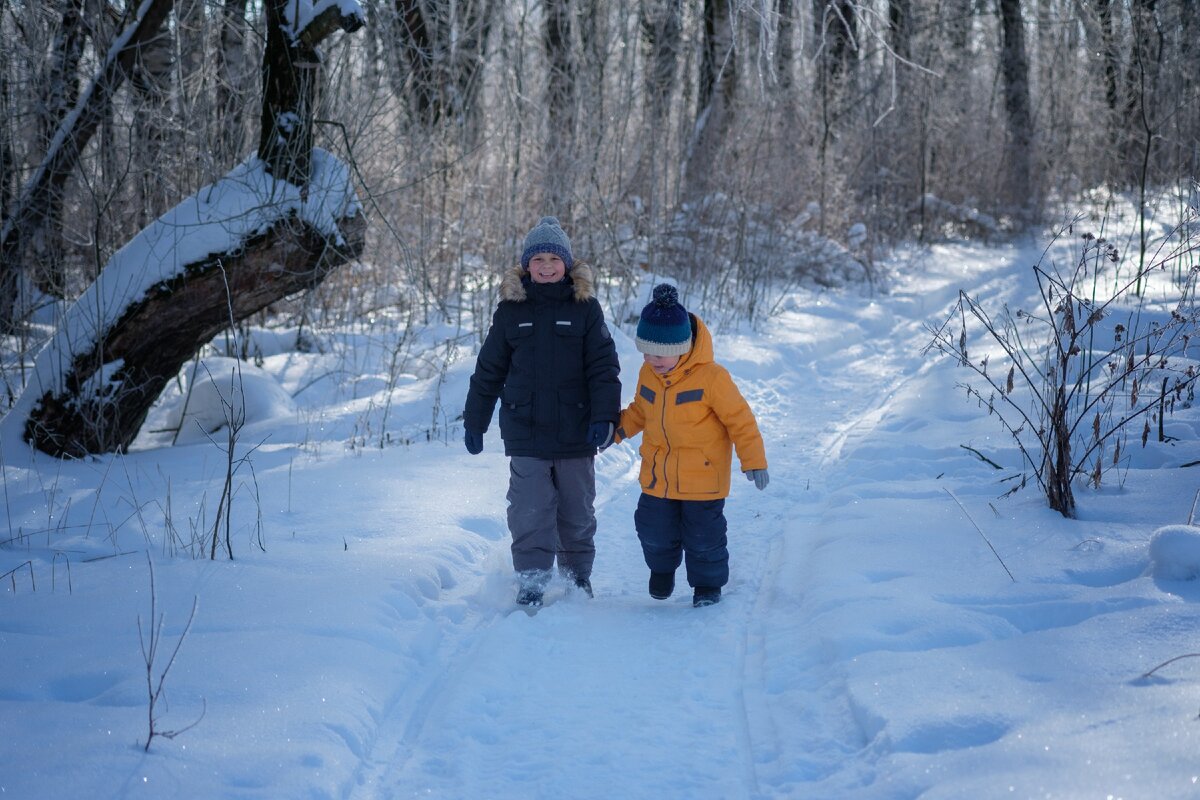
667,454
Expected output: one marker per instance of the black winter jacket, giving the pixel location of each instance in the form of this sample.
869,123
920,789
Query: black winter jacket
551,361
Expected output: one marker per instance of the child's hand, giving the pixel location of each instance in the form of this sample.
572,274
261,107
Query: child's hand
474,441
759,476
600,434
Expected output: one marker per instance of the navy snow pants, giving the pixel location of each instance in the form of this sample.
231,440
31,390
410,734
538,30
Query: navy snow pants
688,530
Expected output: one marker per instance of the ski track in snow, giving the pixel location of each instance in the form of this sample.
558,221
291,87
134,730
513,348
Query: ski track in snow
768,728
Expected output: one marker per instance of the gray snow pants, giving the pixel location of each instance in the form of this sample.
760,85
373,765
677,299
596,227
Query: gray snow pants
550,514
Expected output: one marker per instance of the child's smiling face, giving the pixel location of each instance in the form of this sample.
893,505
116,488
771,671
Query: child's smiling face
547,268
662,364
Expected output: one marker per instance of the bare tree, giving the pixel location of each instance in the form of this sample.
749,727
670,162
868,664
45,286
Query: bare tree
8,159
233,74
464,117
153,88
716,97
36,204
1108,55
561,108
1018,186
835,28
661,23
835,40
60,90
443,47
785,51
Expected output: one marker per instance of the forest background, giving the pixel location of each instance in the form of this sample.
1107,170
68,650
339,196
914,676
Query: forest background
734,144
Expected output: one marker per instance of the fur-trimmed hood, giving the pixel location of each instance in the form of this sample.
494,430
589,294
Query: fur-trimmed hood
512,286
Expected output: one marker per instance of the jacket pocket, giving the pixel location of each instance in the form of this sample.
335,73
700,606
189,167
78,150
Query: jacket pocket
573,411
516,414
697,473
568,349
517,330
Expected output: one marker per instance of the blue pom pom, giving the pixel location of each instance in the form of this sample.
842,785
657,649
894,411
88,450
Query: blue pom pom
666,295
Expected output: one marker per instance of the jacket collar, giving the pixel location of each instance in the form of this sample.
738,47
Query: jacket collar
515,285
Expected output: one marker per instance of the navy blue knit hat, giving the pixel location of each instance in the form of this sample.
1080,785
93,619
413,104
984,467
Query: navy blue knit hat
547,237
665,329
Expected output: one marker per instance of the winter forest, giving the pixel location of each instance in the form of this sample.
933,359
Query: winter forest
666,132
249,252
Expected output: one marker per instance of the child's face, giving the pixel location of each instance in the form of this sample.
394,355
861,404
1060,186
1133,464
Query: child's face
662,364
547,268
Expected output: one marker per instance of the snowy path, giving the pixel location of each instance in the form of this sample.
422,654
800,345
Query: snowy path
869,646
743,697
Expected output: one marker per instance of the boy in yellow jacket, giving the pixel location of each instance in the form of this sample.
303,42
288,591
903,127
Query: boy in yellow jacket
691,416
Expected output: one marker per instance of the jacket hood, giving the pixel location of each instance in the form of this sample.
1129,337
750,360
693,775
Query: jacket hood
702,348
512,285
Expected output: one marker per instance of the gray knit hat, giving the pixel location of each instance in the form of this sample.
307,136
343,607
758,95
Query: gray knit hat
547,237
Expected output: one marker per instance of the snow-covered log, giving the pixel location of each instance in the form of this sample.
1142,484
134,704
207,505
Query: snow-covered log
274,226
223,254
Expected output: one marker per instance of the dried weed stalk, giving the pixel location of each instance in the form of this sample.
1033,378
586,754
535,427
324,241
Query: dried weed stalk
1071,379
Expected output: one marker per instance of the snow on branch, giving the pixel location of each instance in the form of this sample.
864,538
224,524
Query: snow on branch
310,22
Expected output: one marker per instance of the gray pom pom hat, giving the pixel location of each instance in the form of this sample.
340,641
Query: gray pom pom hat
547,237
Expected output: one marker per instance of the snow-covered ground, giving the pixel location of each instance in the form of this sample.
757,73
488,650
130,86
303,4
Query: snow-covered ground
363,642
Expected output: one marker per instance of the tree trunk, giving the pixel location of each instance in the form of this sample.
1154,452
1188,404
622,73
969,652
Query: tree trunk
834,35
1108,54
155,337
661,26
418,43
785,51
37,200
1018,192
900,28
561,109
717,93
8,158
60,90
152,84
233,75
289,70
191,33
443,46
1141,83
469,59
835,26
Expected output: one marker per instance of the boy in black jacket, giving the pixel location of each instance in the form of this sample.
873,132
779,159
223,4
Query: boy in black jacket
550,360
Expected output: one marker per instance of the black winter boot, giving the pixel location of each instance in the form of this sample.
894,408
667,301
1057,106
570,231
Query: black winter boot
529,596
584,585
531,584
706,596
662,584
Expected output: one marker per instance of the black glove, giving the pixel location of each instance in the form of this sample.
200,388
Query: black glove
600,435
473,440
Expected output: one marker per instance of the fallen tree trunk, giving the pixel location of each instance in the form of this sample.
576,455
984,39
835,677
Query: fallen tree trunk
131,363
276,225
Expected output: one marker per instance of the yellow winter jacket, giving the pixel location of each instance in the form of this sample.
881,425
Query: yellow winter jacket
691,418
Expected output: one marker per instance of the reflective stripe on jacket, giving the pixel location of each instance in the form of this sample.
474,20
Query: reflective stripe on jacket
691,419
